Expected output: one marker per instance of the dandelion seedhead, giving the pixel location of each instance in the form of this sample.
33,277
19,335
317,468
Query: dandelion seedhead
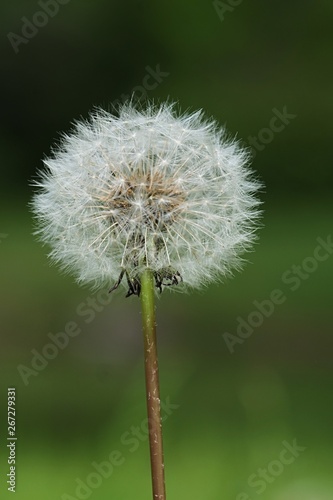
147,189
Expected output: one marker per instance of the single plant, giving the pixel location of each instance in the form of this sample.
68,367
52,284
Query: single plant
147,199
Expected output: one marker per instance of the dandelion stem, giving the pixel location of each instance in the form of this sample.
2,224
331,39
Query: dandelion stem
152,385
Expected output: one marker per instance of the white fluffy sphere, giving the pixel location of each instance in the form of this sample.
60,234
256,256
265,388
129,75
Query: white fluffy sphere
147,188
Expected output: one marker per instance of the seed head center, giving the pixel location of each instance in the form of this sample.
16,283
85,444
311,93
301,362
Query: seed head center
147,199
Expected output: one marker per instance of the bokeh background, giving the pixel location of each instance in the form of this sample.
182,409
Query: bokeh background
227,414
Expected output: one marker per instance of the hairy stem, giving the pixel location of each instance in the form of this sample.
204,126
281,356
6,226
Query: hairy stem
152,385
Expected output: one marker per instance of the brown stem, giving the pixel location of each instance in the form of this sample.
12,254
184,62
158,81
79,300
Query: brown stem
152,385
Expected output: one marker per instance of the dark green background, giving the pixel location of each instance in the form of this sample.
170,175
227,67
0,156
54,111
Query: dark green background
235,409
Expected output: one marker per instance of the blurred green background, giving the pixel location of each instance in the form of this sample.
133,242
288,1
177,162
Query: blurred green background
227,414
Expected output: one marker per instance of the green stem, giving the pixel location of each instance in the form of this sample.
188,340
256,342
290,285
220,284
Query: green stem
152,384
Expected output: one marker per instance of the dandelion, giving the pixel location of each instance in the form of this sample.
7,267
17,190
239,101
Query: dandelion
147,199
